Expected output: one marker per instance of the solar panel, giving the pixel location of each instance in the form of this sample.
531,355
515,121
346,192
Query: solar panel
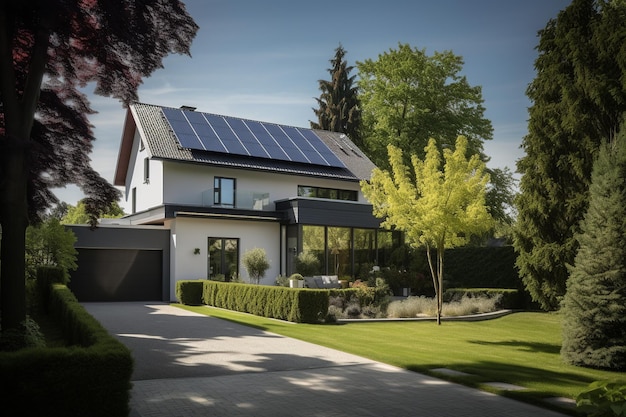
210,132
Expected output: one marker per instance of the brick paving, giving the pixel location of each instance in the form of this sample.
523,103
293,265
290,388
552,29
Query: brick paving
192,365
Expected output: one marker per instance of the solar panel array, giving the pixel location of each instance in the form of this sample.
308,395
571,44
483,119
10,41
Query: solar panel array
210,132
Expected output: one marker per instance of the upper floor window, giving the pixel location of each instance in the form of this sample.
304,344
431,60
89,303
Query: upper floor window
224,191
329,193
146,170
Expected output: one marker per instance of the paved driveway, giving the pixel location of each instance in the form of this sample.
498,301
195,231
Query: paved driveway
192,365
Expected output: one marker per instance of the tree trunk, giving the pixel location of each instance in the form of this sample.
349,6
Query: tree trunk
437,275
14,218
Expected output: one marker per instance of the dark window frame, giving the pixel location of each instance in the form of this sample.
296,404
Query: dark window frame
219,191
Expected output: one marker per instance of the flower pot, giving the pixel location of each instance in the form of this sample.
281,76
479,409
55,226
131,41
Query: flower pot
296,283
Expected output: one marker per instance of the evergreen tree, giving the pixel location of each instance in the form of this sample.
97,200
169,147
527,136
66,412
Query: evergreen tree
577,97
594,306
338,103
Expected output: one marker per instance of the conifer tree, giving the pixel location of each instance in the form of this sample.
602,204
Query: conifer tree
339,103
578,97
594,306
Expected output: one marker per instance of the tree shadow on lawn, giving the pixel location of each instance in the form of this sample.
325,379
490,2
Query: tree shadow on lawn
483,371
551,348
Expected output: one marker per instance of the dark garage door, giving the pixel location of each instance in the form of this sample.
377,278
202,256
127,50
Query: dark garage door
118,275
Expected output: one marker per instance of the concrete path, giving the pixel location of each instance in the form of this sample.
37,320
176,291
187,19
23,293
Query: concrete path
192,365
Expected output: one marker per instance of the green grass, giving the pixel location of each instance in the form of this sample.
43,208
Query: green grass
520,349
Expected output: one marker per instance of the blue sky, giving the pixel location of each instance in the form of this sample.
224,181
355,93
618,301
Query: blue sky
262,59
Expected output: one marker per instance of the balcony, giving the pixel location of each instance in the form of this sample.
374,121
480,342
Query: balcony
244,199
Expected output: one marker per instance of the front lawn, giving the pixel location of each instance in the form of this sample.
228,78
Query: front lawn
520,349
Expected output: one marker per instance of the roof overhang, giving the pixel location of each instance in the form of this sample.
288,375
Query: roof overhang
126,147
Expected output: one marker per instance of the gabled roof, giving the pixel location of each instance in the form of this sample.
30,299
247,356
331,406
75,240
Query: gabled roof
161,143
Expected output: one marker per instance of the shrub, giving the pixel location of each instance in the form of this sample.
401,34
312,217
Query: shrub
89,378
301,306
603,399
506,298
282,281
28,335
189,292
256,263
427,306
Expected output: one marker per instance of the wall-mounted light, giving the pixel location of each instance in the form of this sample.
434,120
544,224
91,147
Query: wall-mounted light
196,251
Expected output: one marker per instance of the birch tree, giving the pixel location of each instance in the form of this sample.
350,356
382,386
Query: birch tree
436,207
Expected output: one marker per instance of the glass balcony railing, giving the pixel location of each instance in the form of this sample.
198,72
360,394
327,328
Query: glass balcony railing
244,199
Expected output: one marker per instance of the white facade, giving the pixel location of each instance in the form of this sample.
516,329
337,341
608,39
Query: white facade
167,184
189,234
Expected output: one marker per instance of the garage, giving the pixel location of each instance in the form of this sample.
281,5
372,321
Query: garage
118,263
118,275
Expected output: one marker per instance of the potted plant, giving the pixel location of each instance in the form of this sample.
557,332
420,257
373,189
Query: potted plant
296,281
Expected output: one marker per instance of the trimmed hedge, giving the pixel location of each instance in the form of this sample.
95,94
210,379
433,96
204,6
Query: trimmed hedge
190,292
291,304
511,298
89,378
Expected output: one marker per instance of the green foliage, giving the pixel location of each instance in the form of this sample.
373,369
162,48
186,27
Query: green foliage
507,298
190,292
603,399
296,276
300,306
594,306
307,264
89,378
79,215
578,97
482,267
256,263
28,335
282,281
339,109
50,244
437,207
408,97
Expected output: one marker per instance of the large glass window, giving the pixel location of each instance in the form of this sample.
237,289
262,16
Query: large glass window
364,251
224,191
223,262
314,242
339,251
345,251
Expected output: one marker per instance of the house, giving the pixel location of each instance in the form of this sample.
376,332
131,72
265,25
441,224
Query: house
222,185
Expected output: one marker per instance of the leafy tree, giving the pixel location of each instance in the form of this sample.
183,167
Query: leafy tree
338,103
407,97
79,215
594,306
256,263
50,244
577,97
437,207
48,50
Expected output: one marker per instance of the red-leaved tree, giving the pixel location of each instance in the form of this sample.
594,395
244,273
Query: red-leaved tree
49,49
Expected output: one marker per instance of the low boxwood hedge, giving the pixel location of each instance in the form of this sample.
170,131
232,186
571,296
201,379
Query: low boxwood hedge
291,304
89,378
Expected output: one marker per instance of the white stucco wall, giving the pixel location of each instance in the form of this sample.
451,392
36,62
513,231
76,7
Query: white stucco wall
149,193
186,183
190,233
